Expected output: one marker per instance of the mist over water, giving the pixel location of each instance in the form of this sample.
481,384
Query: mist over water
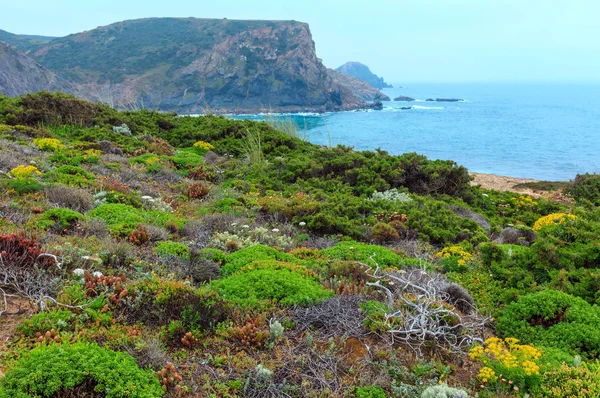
549,132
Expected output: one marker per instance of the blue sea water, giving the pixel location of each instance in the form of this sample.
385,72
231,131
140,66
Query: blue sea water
549,132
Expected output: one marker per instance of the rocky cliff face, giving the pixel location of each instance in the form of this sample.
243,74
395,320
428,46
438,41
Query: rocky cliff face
193,65
19,74
360,89
362,72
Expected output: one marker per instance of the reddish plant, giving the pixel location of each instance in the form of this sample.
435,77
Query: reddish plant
139,236
169,378
253,333
189,340
115,285
16,250
196,191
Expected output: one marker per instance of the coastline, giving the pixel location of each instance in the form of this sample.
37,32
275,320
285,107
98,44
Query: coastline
519,185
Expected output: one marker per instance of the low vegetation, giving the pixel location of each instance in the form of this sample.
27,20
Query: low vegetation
150,255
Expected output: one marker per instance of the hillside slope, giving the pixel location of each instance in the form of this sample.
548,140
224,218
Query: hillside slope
359,88
193,65
19,74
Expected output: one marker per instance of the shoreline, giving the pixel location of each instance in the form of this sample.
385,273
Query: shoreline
516,184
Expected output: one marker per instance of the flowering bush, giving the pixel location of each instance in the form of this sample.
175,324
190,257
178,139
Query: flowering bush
455,258
552,219
23,172
203,145
49,144
507,364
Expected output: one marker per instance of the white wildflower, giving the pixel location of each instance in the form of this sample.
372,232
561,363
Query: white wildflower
79,271
97,274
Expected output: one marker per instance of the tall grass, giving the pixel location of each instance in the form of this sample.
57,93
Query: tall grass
253,147
287,125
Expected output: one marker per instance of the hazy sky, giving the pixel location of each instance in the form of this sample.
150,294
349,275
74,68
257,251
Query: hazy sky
403,40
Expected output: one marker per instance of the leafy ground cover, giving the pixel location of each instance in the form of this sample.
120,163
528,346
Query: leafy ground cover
157,255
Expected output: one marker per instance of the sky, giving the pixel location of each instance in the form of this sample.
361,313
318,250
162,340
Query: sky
405,41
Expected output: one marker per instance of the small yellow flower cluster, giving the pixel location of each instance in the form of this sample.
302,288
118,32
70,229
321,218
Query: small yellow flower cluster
49,144
531,368
204,145
524,201
91,153
22,172
552,219
507,354
487,374
456,251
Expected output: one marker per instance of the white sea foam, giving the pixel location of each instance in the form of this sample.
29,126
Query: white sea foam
427,107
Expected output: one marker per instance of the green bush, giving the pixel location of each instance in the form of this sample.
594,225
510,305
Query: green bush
175,249
22,185
58,320
248,255
586,189
160,302
369,392
571,382
553,319
60,218
355,251
121,219
49,370
70,175
265,286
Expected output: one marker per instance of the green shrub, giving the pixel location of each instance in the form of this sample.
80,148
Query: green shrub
70,175
22,185
159,302
121,219
243,257
369,392
175,249
187,158
49,370
362,252
571,382
60,218
264,286
554,319
227,205
58,320
586,189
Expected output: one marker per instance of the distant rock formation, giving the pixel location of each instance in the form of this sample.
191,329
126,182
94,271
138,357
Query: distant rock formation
444,100
361,89
403,98
19,74
362,72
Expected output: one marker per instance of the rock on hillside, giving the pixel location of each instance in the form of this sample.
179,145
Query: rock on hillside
19,74
194,65
361,89
362,72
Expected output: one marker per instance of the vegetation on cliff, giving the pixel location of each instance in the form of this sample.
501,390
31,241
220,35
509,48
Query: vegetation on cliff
145,254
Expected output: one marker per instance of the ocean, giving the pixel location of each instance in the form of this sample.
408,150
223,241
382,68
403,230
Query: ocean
541,131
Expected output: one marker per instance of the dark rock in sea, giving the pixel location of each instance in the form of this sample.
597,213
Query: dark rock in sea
403,98
405,108
377,105
444,100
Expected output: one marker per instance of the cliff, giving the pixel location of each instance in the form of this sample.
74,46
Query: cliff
19,74
362,72
194,65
